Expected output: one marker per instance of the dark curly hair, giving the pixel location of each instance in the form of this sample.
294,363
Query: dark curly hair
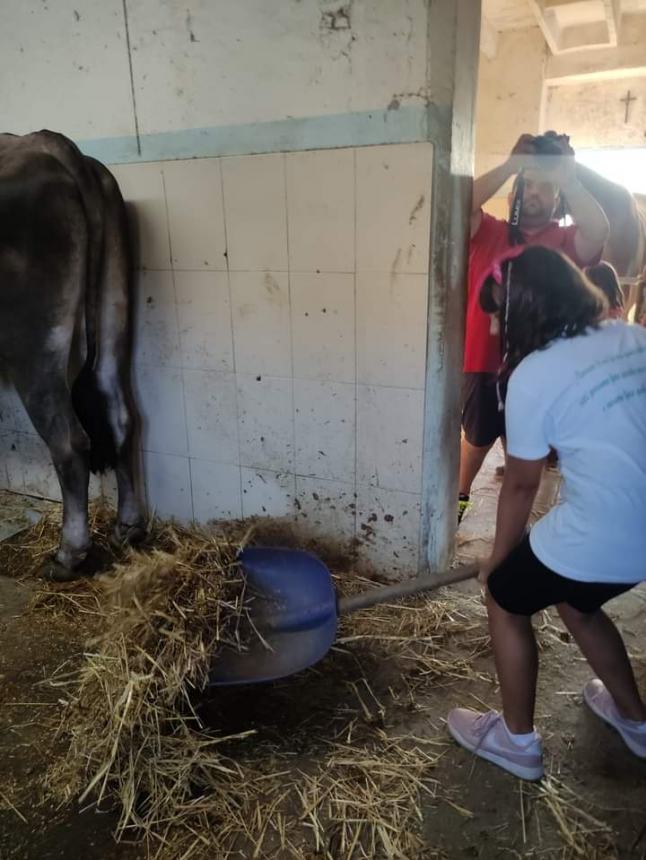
604,276
549,298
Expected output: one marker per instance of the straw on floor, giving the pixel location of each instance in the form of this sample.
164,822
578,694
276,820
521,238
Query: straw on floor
321,765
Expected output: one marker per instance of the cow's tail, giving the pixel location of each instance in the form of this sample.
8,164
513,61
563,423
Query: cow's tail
91,406
90,402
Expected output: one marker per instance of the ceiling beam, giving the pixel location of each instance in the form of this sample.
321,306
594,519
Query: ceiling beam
551,37
612,9
585,37
488,39
550,4
628,59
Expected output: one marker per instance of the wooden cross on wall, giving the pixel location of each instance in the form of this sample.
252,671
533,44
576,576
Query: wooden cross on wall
627,99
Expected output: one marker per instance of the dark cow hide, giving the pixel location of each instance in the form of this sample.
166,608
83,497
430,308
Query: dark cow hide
65,268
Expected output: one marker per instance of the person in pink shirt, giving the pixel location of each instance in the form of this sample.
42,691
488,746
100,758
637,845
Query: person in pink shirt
545,172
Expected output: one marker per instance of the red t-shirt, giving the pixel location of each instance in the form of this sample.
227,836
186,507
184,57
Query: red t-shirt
481,348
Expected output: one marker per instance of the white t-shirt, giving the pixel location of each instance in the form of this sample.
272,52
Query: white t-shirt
586,397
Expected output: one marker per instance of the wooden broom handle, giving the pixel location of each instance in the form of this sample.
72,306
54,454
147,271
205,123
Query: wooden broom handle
404,589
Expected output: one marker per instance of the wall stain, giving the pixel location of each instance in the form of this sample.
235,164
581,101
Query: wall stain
189,27
416,209
336,19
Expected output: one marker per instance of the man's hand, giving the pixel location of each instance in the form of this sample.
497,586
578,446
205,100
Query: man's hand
562,141
523,153
560,169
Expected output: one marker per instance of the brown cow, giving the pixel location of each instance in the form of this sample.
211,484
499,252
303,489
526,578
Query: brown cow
626,214
65,268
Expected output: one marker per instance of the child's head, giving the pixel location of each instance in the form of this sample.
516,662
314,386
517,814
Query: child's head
540,296
605,277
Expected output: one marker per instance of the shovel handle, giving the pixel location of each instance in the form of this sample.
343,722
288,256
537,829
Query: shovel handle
404,589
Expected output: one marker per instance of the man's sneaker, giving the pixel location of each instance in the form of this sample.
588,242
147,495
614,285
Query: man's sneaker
487,736
463,506
600,702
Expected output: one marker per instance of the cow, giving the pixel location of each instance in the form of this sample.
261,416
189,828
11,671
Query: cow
65,269
626,214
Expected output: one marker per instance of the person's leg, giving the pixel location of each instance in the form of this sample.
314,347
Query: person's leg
471,460
500,470
604,649
509,739
516,659
481,425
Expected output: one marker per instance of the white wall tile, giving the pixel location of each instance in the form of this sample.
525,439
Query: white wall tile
142,187
320,206
389,437
391,329
160,398
109,489
168,486
266,423
255,212
216,491
195,214
11,473
326,509
325,429
38,473
211,415
393,207
156,333
261,323
13,415
388,531
323,326
204,317
267,494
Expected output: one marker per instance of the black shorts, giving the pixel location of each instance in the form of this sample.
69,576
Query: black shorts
523,585
482,421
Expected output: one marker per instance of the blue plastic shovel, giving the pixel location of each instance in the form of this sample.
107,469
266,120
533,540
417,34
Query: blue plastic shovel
295,611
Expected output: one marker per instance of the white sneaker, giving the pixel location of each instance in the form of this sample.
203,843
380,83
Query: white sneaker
600,702
486,735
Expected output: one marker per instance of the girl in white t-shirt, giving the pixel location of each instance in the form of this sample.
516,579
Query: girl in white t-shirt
576,384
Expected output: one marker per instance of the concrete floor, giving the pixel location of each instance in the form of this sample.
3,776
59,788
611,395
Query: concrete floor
476,531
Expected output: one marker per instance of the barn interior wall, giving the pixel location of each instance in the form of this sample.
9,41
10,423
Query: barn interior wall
524,88
594,114
509,100
281,292
286,378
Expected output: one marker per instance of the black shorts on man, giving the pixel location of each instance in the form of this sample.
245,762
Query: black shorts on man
482,420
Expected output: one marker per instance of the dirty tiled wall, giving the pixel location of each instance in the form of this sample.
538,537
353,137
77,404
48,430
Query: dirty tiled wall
280,344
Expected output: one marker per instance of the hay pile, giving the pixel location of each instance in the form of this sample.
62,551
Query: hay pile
336,763
315,765
136,741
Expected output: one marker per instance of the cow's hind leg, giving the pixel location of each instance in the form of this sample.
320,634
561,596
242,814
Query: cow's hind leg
47,399
112,370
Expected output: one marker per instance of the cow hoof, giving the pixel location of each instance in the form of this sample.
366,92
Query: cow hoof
54,571
129,535
84,565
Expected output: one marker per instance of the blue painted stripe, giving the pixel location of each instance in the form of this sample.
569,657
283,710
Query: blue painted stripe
406,124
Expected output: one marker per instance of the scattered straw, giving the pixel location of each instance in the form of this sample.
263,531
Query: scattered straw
7,803
582,833
311,764
136,740
318,765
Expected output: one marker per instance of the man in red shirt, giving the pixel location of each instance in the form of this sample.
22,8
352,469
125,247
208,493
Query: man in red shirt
544,178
